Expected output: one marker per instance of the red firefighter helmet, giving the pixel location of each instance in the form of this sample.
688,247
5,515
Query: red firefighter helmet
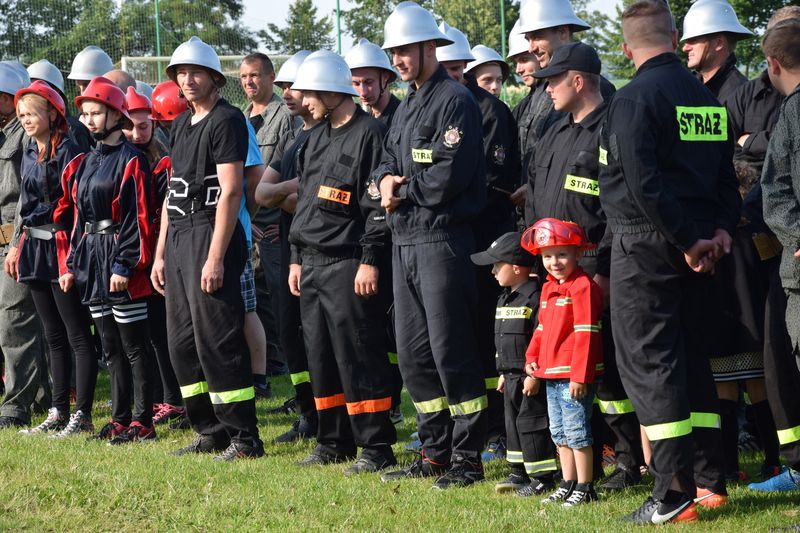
549,232
43,89
137,101
168,102
103,90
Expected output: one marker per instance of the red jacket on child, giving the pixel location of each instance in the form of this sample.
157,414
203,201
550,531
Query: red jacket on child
568,344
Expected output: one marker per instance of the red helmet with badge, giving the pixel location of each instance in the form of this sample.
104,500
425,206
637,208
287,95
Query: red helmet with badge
43,89
549,232
168,102
137,101
104,91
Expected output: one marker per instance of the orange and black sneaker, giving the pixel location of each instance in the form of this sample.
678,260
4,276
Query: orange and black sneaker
136,432
679,508
710,499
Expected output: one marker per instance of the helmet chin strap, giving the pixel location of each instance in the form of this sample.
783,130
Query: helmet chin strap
329,110
103,135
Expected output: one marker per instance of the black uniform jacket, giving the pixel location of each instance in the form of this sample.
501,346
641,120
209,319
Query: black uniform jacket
436,143
727,79
43,202
514,323
666,157
339,210
564,179
388,114
112,183
753,109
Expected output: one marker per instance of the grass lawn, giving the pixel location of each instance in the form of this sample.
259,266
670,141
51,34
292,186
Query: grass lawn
75,485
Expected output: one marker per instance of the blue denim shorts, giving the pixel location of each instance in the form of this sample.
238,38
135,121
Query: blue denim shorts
570,420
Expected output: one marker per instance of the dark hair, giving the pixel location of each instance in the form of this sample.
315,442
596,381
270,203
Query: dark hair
647,23
782,41
266,63
784,13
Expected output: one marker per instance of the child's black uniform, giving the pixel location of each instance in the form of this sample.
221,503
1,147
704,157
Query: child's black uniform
530,449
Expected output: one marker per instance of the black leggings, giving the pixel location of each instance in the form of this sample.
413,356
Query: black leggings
66,325
169,391
124,334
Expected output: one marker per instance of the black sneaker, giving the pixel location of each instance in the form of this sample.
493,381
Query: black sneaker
242,450
136,432
536,487
620,479
582,493
181,423
301,429
321,457
654,511
512,483
421,467
369,465
562,492
263,390
9,422
462,472
55,421
288,407
200,444
109,431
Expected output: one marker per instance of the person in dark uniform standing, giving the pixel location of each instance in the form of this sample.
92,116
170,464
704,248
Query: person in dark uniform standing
372,75
278,188
710,32
669,192
564,182
432,185
339,242
199,259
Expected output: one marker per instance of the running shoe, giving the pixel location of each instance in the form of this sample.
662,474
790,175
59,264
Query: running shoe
421,467
463,472
167,413
111,430
787,480
495,450
242,450
710,499
654,511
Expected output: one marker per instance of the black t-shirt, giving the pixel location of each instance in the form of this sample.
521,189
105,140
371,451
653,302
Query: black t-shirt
220,137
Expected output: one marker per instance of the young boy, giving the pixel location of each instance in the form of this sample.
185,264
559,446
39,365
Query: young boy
566,351
530,452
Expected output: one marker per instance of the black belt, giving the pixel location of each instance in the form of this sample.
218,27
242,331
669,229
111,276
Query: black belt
44,232
101,227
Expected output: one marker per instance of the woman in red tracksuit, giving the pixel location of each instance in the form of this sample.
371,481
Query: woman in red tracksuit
48,168
111,251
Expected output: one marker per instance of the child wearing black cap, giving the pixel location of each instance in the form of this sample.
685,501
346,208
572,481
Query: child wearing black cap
530,454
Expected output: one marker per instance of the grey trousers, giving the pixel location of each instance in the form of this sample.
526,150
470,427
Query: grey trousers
21,343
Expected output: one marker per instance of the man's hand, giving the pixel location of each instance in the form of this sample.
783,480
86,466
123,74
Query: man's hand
272,233
518,197
700,256
742,139
797,253
605,285
157,277
366,282
723,241
577,390
10,263
501,383
530,387
257,234
294,279
117,283
389,185
66,281
530,368
211,276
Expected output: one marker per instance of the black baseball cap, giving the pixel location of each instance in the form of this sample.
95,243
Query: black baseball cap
572,56
506,248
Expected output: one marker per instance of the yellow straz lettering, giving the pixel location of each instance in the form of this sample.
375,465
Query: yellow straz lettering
603,156
420,155
708,123
334,195
513,312
582,185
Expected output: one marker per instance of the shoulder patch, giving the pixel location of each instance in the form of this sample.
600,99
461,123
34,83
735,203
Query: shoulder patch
452,136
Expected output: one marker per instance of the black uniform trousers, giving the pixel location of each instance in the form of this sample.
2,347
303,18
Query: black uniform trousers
780,371
165,383
658,307
435,305
345,340
530,448
206,339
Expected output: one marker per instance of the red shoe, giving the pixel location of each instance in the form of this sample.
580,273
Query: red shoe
166,413
710,500
136,432
109,431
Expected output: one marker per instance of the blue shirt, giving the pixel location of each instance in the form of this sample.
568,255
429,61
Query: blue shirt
253,159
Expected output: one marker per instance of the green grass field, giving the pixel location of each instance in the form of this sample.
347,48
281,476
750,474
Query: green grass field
75,485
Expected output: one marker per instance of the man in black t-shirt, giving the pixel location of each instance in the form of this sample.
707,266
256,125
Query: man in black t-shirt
199,259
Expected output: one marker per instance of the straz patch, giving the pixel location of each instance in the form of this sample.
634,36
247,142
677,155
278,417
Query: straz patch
452,136
372,191
499,155
507,313
602,156
421,155
709,123
582,185
334,195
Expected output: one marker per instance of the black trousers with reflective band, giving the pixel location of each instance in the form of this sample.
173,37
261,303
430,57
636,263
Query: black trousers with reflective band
206,337
345,338
435,308
527,428
658,308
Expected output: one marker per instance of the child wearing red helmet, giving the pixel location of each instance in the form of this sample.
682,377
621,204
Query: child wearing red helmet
566,351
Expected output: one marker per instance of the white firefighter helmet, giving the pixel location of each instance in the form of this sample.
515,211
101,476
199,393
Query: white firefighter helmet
459,50
540,14
196,52
712,16
46,71
324,71
483,54
288,71
90,62
410,23
368,55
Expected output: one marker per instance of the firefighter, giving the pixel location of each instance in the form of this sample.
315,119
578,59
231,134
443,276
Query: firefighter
278,188
90,62
199,259
432,184
489,69
372,74
168,102
710,33
339,243
669,192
